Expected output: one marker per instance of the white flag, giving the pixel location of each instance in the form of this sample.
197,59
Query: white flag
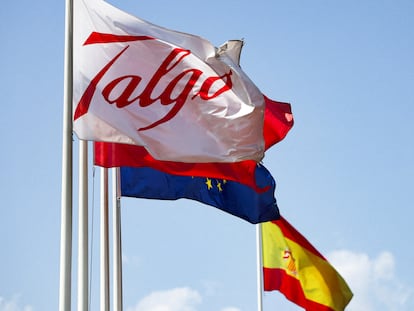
173,93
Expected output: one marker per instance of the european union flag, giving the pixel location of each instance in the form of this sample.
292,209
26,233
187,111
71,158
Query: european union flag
253,205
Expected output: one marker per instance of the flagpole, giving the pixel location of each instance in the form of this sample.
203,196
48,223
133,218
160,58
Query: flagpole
104,237
65,273
83,256
259,267
116,239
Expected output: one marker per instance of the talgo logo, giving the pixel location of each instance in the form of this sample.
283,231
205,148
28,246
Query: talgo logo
175,90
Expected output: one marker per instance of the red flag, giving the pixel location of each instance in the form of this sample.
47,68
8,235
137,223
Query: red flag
278,120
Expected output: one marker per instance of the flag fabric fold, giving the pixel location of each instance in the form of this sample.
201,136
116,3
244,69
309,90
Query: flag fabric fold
229,196
278,121
173,93
294,267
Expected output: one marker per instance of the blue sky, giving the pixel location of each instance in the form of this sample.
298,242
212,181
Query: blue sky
344,173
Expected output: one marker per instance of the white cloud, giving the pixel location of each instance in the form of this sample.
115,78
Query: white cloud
373,281
211,287
177,299
13,305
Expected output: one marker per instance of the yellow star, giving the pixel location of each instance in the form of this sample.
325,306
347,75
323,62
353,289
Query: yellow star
208,183
219,186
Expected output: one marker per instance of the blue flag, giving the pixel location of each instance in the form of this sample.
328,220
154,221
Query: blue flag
253,205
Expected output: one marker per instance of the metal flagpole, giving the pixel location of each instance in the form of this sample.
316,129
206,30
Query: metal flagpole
65,273
116,240
259,267
104,238
83,256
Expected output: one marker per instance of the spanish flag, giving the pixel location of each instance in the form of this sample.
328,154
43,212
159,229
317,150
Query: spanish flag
294,267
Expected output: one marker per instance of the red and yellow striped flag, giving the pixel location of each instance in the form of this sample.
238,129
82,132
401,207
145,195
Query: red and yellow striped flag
294,267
